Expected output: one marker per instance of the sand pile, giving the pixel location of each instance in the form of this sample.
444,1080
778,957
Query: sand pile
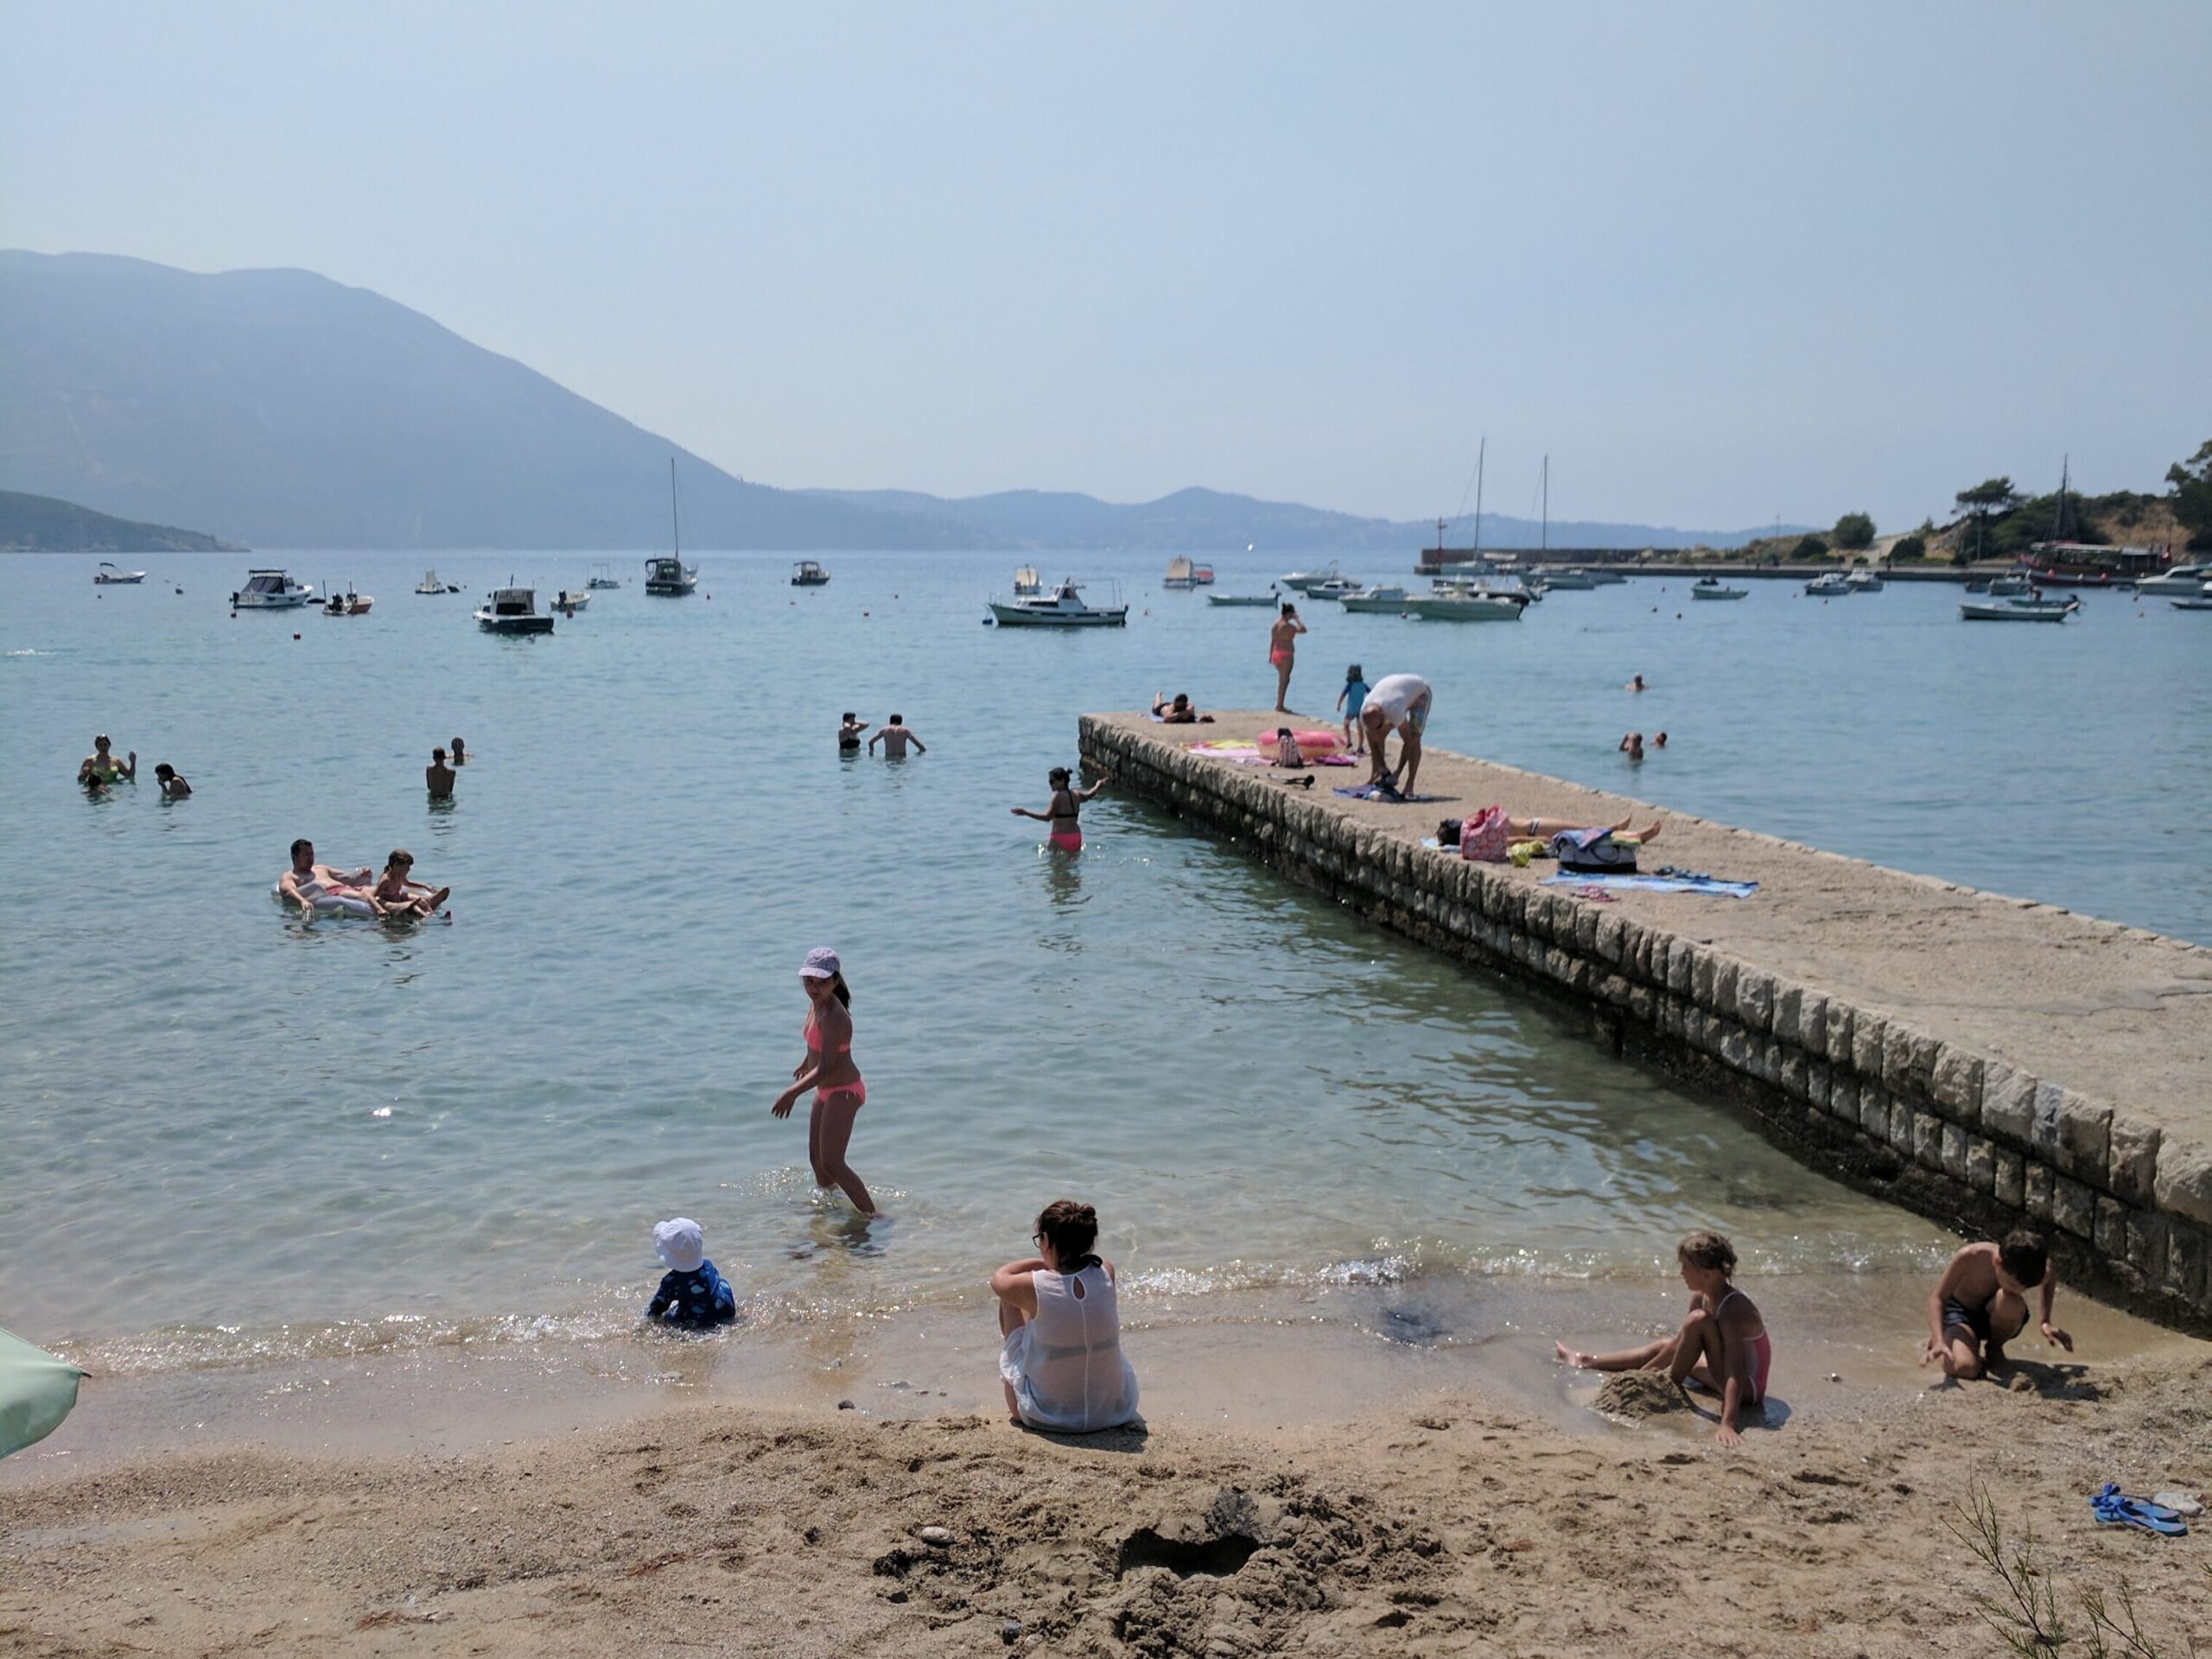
1631,1397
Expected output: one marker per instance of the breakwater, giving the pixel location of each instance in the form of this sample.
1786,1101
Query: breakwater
1983,1060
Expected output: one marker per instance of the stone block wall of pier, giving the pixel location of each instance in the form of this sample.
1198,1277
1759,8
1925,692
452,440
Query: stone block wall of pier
1933,1121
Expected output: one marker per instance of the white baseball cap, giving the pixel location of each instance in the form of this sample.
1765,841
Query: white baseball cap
680,1244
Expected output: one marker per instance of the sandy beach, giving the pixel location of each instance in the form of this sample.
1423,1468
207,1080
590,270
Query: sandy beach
1440,1525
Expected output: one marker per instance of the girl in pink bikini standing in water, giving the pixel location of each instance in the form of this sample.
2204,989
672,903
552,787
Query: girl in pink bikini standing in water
828,1070
1065,831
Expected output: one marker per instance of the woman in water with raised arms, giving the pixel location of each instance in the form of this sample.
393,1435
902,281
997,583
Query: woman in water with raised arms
828,1070
1064,830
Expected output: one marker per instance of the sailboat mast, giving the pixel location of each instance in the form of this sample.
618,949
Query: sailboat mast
675,529
2058,519
1479,454
1546,542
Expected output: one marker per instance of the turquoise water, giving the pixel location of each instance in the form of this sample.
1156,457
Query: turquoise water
228,1133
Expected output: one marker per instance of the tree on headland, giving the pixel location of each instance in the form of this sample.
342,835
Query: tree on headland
1854,530
2192,496
1909,547
1992,495
1811,548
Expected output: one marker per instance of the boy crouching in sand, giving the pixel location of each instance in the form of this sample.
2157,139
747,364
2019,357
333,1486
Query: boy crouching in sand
1981,1303
1722,1342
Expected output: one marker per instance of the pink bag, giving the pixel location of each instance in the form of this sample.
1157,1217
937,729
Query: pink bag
1484,837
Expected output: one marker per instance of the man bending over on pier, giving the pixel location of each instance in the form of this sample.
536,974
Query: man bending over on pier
1399,703
1981,1303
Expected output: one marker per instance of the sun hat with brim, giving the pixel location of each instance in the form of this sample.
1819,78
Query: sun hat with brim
680,1244
820,963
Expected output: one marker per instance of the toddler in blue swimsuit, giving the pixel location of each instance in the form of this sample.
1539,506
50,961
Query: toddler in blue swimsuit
692,1295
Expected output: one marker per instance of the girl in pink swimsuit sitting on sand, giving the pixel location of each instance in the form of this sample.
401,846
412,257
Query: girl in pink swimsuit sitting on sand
1065,834
1722,1343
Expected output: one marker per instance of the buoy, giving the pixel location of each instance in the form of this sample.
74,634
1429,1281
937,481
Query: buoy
296,636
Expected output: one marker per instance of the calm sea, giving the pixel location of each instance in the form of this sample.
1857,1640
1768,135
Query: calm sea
225,1133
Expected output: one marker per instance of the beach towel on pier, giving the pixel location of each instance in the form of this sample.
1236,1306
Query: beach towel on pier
36,1392
1596,850
1370,793
1653,884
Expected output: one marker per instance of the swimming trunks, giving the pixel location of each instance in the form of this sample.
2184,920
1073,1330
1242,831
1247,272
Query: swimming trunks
1976,1319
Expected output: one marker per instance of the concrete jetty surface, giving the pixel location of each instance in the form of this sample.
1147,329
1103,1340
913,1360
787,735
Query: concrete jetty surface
1987,1060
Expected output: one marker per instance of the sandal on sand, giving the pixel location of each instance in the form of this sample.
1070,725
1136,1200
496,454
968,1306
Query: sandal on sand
2114,1508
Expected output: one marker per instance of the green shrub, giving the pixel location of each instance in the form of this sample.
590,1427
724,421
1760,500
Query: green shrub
1811,548
1854,531
1909,547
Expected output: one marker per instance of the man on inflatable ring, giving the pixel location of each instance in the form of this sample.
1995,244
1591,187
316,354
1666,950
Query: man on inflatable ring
315,887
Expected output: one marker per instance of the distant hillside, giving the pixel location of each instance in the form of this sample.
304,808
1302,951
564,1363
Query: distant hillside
39,524
284,409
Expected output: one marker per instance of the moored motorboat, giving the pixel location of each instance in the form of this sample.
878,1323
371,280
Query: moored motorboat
1026,585
1064,607
2201,602
807,574
1334,588
1182,574
2187,580
569,601
2015,585
1863,582
670,578
1305,581
512,610
602,577
348,603
271,590
1202,574
1383,599
430,584
1560,576
108,576
2018,610
1712,588
1468,607
1829,586
1242,599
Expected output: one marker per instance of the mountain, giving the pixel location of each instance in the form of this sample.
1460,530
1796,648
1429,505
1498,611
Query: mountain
39,524
285,410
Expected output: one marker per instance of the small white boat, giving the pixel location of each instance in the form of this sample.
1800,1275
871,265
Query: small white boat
1863,582
271,590
2013,586
2018,610
569,601
1467,607
1202,574
1182,574
1384,599
2201,602
109,576
2186,580
602,578
1334,588
512,610
1560,576
431,584
1026,585
807,574
1305,581
1711,588
1830,586
348,603
1243,599
1064,607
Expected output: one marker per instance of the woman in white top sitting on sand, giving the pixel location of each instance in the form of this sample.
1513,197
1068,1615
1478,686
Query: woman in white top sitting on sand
1062,1362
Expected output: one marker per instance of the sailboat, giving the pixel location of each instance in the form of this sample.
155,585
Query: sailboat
1560,577
669,576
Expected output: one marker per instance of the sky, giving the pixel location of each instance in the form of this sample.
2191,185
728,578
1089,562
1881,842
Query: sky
1721,263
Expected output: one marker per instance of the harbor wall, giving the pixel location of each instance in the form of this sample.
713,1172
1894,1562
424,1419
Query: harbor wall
2119,1180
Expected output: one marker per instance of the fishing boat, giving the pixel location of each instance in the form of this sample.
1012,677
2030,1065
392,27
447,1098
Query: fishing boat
1863,582
512,610
807,574
2018,610
602,577
2011,587
109,576
1829,586
1202,574
2187,580
1335,587
669,577
430,584
1574,581
1711,588
271,590
1465,607
569,601
1064,607
1242,599
1383,599
1026,585
1305,581
1182,574
348,603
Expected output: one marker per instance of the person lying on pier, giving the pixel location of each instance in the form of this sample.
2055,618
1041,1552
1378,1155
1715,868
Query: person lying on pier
1447,833
1722,1343
1177,712
1981,1303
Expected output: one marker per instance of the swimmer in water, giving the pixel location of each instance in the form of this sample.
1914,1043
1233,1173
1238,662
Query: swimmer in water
102,764
1635,684
849,733
307,882
438,777
1631,745
174,788
460,753
895,736
827,1069
1063,833
1282,651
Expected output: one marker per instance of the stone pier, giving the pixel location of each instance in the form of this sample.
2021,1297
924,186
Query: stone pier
1986,1060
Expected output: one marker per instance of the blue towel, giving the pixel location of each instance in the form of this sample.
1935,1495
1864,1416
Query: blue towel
1653,884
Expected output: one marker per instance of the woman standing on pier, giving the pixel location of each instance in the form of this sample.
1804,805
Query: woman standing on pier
1282,651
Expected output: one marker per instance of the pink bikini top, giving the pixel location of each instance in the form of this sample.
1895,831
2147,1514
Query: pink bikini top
814,1042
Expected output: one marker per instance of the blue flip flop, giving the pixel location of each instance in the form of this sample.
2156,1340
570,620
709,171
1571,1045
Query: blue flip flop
2114,1508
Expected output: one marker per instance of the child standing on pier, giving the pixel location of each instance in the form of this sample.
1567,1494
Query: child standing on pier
1349,700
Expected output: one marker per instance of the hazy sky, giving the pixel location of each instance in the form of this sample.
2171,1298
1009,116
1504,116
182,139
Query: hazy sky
1720,261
